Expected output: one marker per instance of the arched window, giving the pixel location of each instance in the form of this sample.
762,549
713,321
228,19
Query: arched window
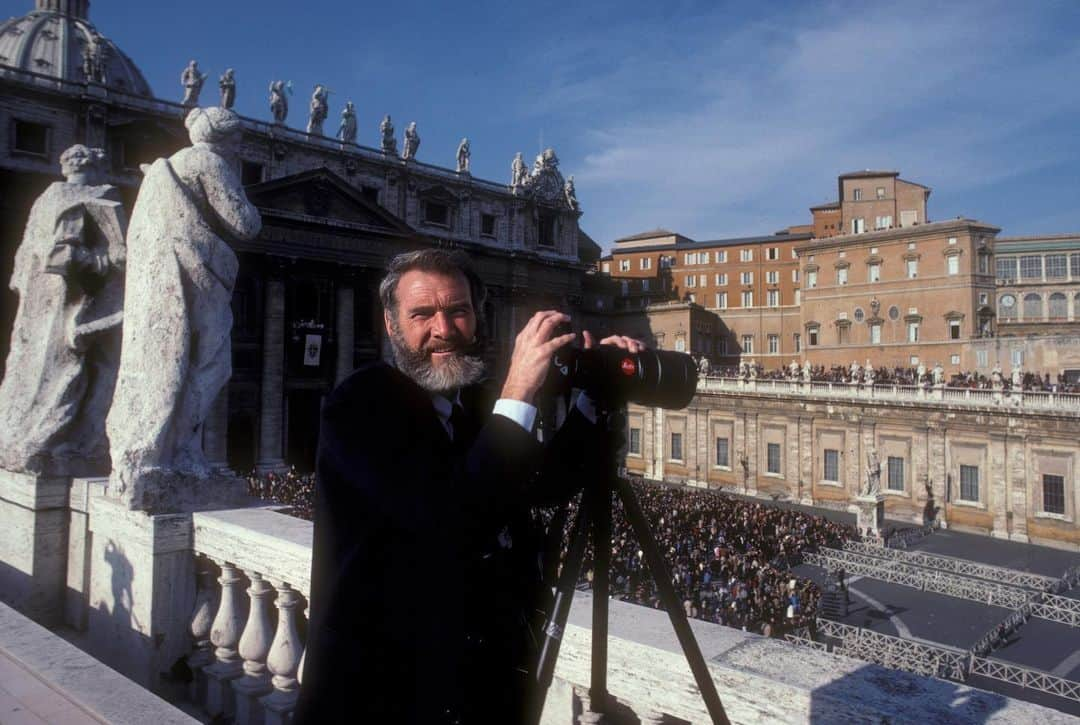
1033,307
1059,306
1007,306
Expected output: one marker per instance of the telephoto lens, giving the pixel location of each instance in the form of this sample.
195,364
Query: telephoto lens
613,376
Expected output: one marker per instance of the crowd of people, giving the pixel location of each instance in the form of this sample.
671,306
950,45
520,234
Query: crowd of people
293,489
909,376
730,559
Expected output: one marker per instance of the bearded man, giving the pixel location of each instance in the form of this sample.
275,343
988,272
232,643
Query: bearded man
427,566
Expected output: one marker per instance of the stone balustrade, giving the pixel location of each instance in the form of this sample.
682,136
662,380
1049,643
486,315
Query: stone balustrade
253,566
1062,403
251,563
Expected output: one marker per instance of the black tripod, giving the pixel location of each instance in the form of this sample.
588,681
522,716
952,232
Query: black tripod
595,514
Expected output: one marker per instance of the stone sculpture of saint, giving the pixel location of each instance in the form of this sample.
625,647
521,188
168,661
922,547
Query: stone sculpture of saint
318,108
65,343
227,84
192,80
176,354
412,142
518,171
807,372
279,101
347,128
570,193
873,473
939,374
389,142
463,156
920,374
869,373
1017,378
793,370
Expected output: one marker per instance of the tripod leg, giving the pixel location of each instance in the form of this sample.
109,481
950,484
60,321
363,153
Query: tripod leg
662,577
556,622
599,498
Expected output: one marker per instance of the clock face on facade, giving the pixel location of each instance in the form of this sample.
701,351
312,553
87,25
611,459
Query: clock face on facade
1008,300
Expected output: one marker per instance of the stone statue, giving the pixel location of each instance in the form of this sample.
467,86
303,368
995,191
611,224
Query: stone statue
743,374
939,375
318,109
571,194
176,354
389,142
793,370
227,84
279,100
95,57
519,172
920,374
869,373
855,372
463,156
1017,377
192,81
703,366
873,473
751,369
65,343
807,372
347,128
412,142
996,380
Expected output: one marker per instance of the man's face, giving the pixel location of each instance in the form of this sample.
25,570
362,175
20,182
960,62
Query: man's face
434,328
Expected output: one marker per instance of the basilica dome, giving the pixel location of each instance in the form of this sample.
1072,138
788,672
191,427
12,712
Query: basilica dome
56,39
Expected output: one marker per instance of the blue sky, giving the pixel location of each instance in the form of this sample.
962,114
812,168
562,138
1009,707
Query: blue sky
712,119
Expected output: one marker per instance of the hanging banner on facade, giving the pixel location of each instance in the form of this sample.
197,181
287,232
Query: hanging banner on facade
313,350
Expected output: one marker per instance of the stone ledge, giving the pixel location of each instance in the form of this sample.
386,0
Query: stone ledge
34,492
84,681
258,539
767,680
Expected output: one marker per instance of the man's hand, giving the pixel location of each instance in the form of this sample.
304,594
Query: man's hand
620,341
531,359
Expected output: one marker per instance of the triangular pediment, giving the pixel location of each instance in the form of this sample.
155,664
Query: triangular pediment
320,194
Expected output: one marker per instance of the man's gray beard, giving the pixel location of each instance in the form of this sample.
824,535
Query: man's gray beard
452,374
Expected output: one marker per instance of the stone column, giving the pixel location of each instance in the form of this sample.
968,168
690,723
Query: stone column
33,544
344,331
938,472
806,460
1019,461
216,432
272,391
658,451
750,440
998,501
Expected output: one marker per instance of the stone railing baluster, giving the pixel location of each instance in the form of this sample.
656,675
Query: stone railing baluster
284,659
254,648
225,634
202,618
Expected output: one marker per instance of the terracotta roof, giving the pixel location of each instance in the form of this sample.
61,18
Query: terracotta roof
648,235
867,173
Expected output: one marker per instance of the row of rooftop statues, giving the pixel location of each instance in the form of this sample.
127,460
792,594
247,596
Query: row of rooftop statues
121,338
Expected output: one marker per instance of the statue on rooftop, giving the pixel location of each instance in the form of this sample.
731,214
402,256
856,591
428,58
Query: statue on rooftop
65,342
318,109
519,173
1017,378
464,153
227,84
807,372
939,375
920,374
793,370
176,353
571,193
412,142
279,100
192,81
389,141
347,128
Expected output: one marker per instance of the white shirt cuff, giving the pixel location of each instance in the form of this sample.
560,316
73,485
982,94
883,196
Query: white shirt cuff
518,411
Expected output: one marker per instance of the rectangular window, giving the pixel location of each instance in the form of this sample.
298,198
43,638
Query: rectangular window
812,336
772,277
772,456
747,299
954,329
676,446
795,275
858,225
1056,266
31,138
798,296
1031,267
1074,265
874,271
624,265
982,358
774,344
746,277
1006,268
954,359
912,268
875,334
635,441
895,468
841,276
969,483
773,253
842,334
721,256
832,465
691,280
438,214
722,453
856,194
746,255
644,285
703,280
748,344
797,341
913,332
1053,494
954,264
811,279
487,226
880,192
721,300
703,258
773,298
721,279
251,172
646,263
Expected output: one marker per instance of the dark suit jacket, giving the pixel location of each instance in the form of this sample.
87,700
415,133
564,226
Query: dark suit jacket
418,606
